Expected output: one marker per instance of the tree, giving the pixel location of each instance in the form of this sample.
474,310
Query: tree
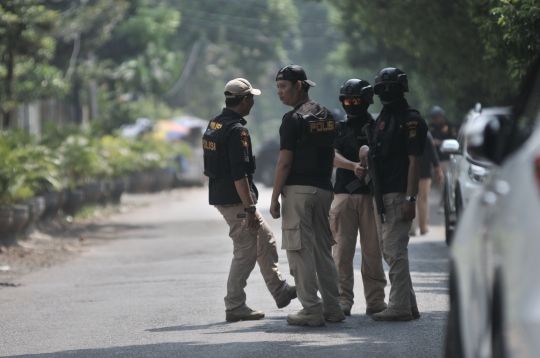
511,30
25,43
435,42
85,26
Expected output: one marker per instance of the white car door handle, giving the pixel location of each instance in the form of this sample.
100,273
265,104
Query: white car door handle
501,187
489,198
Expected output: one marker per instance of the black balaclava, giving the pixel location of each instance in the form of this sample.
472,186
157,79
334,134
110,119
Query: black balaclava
388,99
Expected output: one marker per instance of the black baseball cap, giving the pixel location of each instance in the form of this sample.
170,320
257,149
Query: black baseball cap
294,73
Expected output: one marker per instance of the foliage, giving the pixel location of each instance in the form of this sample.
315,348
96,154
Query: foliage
511,30
27,168
435,42
26,45
81,161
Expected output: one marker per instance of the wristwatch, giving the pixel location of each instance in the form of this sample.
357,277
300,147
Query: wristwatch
411,199
251,209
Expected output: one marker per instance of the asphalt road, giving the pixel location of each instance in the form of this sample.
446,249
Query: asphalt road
156,290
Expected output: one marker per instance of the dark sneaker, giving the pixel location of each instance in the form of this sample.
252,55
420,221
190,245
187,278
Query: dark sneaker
291,295
376,309
304,318
335,317
415,312
346,309
245,314
391,314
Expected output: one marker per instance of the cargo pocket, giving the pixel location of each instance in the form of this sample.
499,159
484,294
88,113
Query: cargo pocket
301,189
333,219
292,238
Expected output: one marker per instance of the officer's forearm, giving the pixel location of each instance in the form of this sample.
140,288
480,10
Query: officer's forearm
283,169
413,177
242,188
341,162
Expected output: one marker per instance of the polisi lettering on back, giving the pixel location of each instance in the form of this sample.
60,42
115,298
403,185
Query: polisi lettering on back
209,145
321,126
314,154
216,156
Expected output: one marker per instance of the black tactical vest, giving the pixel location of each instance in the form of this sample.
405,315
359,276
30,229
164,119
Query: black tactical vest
384,139
350,139
216,156
314,152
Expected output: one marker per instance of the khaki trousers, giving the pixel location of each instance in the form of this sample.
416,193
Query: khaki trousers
351,213
445,167
422,207
249,248
308,240
394,239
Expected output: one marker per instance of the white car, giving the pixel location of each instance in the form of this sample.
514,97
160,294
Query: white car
466,174
494,277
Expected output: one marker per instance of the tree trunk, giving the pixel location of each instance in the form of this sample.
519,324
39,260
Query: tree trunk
93,91
10,98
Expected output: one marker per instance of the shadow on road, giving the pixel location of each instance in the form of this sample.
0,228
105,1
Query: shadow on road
359,336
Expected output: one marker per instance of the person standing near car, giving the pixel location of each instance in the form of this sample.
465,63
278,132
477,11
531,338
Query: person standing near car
230,164
352,208
396,146
441,129
303,174
429,167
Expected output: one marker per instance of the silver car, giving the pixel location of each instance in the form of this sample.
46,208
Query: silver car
494,279
466,174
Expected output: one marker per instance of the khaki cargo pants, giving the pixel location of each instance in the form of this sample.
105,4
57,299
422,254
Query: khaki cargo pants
249,248
350,214
308,240
393,240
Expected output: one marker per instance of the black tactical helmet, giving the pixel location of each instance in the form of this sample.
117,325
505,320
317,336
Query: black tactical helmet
357,88
437,111
391,75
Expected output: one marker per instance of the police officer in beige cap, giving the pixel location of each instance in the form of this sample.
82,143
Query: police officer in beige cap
229,163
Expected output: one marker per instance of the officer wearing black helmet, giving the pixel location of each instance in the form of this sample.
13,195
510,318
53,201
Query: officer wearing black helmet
396,146
229,163
352,208
302,179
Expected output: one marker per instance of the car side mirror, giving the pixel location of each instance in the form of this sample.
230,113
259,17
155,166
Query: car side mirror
482,139
450,146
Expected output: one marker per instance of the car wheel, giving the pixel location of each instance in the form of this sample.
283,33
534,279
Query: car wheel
454,347
449,223
498,346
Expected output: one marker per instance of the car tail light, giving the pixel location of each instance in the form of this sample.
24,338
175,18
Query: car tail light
537,169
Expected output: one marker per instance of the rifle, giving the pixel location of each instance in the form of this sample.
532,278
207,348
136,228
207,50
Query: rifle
373,175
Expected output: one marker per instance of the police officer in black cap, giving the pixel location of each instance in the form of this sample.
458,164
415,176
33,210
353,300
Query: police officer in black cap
303,174
397,144
230,164
352,208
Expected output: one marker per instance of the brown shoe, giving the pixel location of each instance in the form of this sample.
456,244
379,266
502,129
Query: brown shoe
376,309
245,314
391,314
346,308
291,295
304,318
335,317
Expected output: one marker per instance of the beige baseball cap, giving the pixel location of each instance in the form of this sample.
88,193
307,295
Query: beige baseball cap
239,87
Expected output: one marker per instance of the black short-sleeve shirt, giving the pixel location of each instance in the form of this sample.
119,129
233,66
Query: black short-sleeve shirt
446,131
349,139
408,138
237,142
289,133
